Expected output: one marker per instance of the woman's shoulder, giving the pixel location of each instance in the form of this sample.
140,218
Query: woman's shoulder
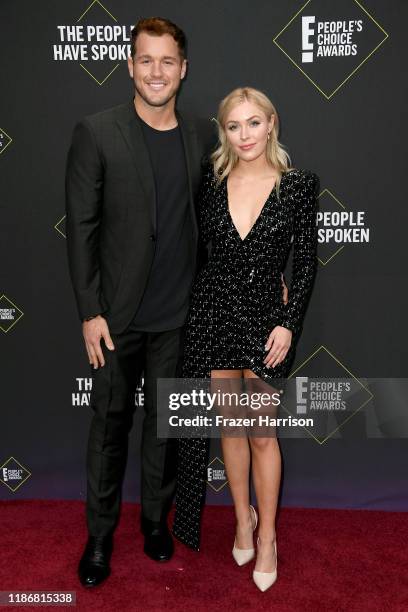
301,175
303,179
207,173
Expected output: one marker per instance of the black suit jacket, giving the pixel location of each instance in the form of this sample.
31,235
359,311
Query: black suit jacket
110,209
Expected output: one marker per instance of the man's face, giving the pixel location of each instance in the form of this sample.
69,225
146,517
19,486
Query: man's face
157,68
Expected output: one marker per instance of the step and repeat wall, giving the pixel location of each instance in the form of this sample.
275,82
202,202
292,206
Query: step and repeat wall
336,72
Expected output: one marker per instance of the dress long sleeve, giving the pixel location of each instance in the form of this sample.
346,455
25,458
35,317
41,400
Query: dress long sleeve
304,253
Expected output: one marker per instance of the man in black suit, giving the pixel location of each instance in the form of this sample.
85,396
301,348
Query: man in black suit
132,174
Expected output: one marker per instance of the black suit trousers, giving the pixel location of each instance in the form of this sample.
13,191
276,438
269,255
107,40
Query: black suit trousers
155,355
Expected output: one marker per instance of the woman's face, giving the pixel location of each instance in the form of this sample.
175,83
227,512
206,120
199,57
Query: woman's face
246,128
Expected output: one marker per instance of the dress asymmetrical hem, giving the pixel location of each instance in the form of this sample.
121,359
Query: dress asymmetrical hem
236,301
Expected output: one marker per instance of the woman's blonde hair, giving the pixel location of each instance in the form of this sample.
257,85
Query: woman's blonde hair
224,158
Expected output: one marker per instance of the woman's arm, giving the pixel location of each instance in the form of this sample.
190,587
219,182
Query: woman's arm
305,252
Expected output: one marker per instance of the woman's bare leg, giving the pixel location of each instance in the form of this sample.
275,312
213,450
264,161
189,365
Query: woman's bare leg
237,461
266,473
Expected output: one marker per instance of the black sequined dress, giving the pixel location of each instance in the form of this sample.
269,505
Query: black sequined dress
237,300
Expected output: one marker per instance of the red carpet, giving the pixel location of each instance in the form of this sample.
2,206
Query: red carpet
337,560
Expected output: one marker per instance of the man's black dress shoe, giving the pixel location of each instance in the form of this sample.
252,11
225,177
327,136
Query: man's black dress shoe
94,564
158,543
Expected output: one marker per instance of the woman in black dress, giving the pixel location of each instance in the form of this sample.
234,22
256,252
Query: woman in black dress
251,206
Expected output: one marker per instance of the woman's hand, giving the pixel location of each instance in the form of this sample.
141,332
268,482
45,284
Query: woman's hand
278,344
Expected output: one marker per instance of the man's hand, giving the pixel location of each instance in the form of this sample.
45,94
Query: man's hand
278,344
285,292
93,331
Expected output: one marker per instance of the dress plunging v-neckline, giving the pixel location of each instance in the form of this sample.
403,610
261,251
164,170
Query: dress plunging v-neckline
256,220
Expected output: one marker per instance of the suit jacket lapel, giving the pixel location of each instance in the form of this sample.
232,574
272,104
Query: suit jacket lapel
132,133
189,136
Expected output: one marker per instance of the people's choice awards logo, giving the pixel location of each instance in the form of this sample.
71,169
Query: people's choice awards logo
216,477
332,401
13,474
9,314
330,41
96,41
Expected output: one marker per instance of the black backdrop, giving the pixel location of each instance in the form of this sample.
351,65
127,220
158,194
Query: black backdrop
344,117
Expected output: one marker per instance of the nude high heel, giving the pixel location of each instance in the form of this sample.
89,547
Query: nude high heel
243,555
264,580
